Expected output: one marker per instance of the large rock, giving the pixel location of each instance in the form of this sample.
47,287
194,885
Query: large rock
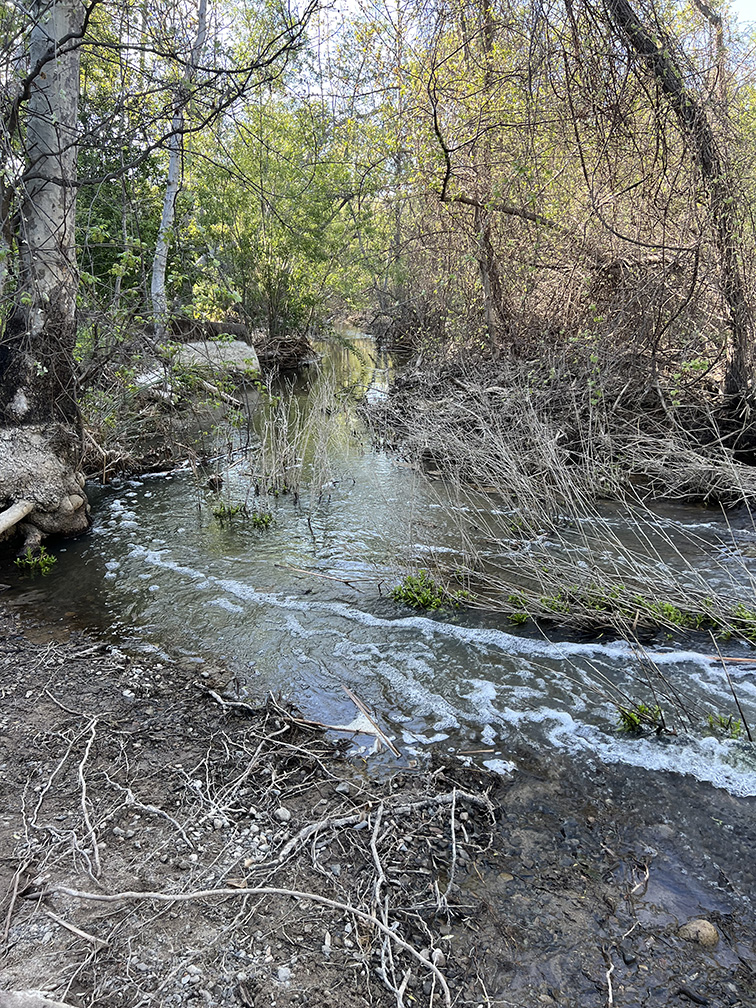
220,357
39,463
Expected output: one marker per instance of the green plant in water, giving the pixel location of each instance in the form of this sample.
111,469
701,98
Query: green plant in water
727,726
639,719
261,519
41,562
421,592
224,513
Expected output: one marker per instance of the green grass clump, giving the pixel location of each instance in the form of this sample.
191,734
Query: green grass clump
421,591
40,562
724,726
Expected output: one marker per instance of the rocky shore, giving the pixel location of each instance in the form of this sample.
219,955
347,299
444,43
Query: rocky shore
164,842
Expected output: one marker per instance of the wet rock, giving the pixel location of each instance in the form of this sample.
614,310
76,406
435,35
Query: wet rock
627,953
692,995
661,831
570,829
702,932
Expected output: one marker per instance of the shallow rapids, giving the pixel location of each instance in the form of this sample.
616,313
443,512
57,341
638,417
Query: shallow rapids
303,608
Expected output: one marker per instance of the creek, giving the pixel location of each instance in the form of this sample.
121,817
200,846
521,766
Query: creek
303,608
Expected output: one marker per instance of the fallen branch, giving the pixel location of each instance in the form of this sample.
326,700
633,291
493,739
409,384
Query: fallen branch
219,393
307,832
327,577
199,894
14,514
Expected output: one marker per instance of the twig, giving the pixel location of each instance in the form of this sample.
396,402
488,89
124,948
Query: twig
328,577
12,903
97,942
185,897
132,800
313,828
293,719
610,992
732,689
378,731
453,827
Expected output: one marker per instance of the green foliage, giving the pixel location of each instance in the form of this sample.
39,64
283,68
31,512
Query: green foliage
261,519
640,719
225,514
724,726
421,591
275,232
40,562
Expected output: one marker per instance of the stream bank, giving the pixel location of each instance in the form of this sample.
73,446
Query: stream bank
542,886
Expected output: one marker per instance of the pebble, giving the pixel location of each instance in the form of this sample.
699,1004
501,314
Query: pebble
702,932
283,974
282,814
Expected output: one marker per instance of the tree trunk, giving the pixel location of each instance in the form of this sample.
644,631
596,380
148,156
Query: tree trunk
40,435
716,178
173,181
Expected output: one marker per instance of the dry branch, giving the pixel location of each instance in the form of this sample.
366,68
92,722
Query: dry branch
14,514
203,894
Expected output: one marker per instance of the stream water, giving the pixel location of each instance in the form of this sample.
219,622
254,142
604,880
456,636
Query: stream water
303,608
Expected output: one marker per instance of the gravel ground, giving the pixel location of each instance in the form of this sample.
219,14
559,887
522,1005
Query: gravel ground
130,790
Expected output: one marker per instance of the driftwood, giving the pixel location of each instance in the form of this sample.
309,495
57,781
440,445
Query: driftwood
14,514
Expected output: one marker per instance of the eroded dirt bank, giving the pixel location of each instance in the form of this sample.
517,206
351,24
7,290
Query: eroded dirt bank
563,884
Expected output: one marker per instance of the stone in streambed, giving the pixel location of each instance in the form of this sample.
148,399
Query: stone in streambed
702,932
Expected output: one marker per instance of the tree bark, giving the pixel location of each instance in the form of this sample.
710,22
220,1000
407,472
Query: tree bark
40,435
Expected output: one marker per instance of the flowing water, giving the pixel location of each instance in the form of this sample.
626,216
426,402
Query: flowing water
303,608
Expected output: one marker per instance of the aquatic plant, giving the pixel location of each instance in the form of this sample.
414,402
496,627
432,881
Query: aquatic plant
40,562
261,519
224,513
421,591
640,718
725,726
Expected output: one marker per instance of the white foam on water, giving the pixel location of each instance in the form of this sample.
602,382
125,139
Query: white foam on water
499,766
405,658
222,603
